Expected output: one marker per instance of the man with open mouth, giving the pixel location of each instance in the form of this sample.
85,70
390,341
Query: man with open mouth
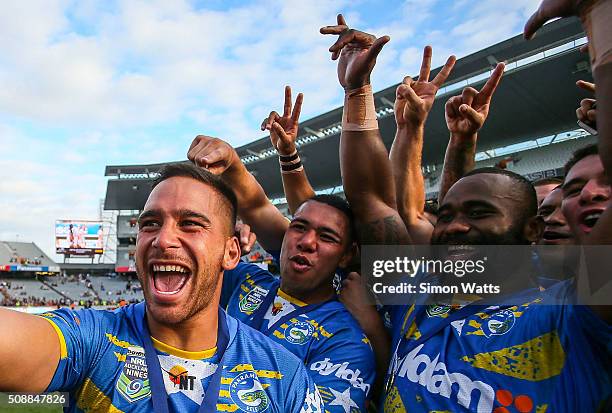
300,310
177,351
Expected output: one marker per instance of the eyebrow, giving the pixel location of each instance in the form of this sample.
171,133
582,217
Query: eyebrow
571,182
468,204
322,228
183,213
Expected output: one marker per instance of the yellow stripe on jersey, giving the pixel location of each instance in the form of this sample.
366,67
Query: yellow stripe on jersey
291,299
191,355
62,340
538,359
91,399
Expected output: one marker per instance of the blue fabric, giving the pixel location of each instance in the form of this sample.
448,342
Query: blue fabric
328,339
103,367
528,357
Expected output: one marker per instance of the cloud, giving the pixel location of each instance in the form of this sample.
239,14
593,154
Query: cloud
93,83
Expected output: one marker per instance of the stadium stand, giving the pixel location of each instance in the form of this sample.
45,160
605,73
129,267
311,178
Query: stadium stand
22,255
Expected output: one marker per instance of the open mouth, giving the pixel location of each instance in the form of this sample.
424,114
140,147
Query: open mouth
591,219
554,235
300,263
169,279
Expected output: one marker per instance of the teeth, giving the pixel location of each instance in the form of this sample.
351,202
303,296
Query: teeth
593,216
169,268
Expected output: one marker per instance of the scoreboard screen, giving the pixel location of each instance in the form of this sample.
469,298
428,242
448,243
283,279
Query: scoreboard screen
79,237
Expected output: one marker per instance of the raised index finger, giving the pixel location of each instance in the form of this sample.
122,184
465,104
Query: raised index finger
425,64
338,29
287,107
489,88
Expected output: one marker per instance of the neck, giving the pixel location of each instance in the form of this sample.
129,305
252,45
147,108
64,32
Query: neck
314,296
188,335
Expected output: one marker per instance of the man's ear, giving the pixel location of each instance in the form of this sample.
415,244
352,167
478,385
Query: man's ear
533,229
231,255
349,255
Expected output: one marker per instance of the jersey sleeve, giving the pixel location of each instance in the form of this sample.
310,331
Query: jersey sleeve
345,371
302,394
233,278
79,333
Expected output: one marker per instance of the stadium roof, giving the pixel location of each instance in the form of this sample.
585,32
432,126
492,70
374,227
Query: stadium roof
537,97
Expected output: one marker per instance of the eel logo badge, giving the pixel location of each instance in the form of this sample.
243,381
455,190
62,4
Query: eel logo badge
248,394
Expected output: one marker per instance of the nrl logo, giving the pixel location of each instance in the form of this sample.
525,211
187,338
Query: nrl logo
252,300
133,383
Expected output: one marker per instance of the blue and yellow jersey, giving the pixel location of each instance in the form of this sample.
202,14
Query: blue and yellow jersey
328,339
527,358
103,367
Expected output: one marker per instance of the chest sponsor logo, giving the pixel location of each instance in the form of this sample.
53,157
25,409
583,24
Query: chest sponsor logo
252,300
499,323
326,367
299,332
248,394
434,376
133,383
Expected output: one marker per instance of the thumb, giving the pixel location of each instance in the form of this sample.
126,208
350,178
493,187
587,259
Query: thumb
536,21
377,47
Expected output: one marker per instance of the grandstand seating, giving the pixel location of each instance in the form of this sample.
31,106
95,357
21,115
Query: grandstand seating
24,253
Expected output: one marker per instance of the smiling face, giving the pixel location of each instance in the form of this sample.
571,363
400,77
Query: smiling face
481,209
586,194
315,244
184,244
556,230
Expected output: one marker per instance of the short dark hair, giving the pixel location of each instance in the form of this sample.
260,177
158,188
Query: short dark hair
580,154
553,180
431,206
525,187
341,205
190,170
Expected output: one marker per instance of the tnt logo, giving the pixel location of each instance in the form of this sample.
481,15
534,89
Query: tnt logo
180,377
521,403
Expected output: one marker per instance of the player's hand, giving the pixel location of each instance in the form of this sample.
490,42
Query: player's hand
466,114
548,10
357,51
284,129
246,238
213,154
355,296
587,112
414,98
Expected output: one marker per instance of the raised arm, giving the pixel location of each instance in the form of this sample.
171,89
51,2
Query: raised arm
29,352
413,101
283,133
465,115
364,163
254,207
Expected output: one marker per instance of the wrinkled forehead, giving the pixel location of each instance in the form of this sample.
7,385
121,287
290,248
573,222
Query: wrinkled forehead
183,193
484,187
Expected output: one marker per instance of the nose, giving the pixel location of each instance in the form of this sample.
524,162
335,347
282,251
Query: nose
594,192
556,218
308,241
457,226
166,237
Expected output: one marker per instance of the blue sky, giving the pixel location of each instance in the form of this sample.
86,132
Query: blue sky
92,83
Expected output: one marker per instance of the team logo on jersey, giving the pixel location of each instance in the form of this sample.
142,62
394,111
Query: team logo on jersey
299,332
252,300
133,383
435,310
248,394
499,323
